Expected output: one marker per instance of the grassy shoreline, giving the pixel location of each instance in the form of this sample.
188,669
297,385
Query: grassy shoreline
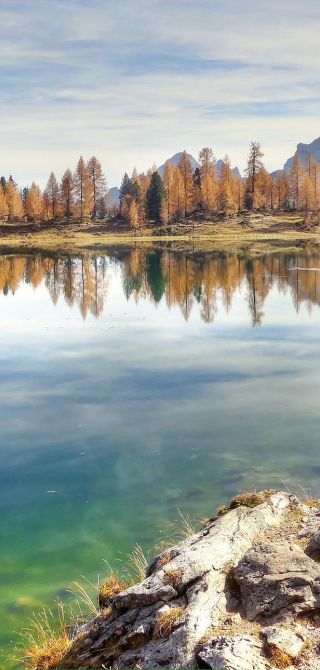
284,227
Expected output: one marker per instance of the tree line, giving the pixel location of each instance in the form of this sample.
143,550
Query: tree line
184,191
181,191
79,195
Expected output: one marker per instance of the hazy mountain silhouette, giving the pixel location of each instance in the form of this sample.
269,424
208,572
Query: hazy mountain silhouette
304,150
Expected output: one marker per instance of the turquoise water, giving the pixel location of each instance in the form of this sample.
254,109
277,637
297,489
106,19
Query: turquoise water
139,382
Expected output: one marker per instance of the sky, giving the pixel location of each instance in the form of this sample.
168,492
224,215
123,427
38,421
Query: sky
135,81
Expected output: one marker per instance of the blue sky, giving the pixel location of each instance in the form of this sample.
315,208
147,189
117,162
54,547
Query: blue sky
134,81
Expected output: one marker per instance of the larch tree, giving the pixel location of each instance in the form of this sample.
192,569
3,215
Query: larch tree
177,193
238,193
34,203
169,184
98,182
144,183
316,184
83,189
264,191
24,195
208,180
186,171
296,180
14,200
4,207
226,174
226,188
254,167
313,173
197,194
310,164
134,214
67,194
46,209
52,196
155,197
130,211
307,194
281,189
125,205
227,201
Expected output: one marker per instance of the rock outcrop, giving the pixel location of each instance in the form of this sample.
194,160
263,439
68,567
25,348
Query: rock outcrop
241,594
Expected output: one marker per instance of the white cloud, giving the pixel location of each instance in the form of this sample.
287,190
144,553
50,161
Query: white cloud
132,81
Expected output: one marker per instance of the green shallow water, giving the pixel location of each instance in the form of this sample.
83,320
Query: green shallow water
139,383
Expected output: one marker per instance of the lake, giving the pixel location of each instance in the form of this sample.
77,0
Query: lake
139,382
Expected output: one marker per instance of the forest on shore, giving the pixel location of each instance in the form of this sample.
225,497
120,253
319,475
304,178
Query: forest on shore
82,194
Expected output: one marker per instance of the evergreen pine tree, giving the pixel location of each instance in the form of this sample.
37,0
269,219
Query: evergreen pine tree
125,188
155,197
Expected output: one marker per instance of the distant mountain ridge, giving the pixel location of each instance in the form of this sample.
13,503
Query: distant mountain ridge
175,161
194,164
219,166
304,150
114,195
114,192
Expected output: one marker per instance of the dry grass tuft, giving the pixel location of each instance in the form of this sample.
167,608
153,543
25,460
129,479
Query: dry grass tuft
180,529
185,526
107,612
173,577
82,593
251,498
138,562
223,510
245,499
312,502
163,545
159,563
278,658
205,521
164,560
168,621
110,588
46,639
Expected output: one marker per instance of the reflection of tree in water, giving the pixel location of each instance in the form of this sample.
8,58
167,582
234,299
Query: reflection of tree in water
133,274
69,292
81,281
186,280
155,277
255,296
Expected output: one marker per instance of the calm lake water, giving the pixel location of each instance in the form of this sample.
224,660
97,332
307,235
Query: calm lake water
138,382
